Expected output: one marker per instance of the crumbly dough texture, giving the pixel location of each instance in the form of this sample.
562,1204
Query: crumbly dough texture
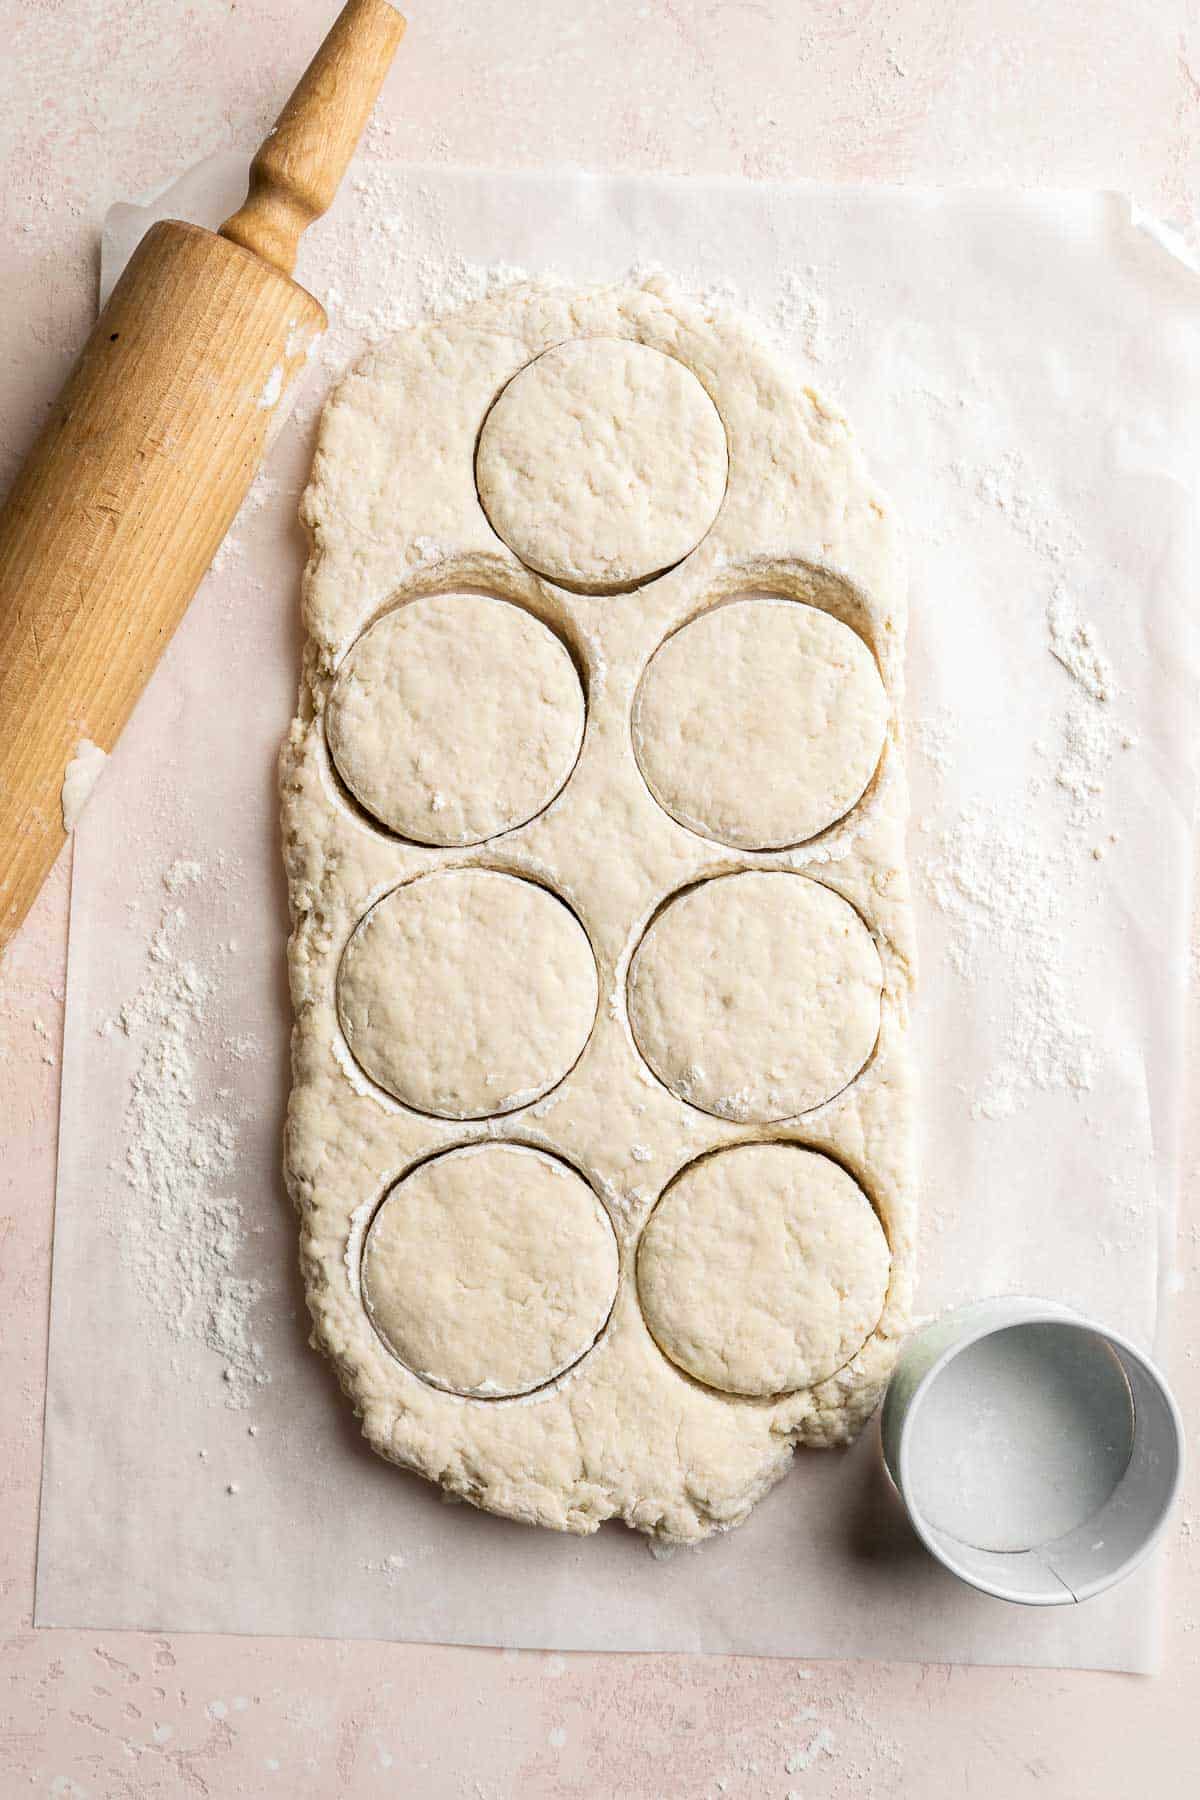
762,1269
455,718
602,463
490,1270
756,995
394,514
436,1000
798,766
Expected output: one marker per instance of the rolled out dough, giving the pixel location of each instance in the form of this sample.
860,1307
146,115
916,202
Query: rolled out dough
602,1124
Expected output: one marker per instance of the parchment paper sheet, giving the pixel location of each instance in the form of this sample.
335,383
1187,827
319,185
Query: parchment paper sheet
1024,374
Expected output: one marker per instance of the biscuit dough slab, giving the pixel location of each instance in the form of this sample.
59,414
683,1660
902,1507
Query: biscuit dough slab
394,515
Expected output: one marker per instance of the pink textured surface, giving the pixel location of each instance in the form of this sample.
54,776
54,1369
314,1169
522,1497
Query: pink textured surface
100,100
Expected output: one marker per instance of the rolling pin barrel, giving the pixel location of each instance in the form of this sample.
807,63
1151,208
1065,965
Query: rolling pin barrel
151,446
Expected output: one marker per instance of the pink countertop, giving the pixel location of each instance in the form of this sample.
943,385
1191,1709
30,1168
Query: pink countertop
100,100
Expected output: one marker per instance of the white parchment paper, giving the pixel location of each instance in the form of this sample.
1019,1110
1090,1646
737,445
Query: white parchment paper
1024,372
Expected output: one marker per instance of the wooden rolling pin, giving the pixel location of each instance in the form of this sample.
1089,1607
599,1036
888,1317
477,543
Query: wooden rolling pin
150,448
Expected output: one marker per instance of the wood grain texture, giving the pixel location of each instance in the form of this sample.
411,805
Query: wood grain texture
121,504
151,446
296,173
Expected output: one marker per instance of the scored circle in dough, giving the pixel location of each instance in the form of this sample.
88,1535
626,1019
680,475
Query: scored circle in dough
490,1270
467,992
756,995
763,1269
455,717
602,463
794,689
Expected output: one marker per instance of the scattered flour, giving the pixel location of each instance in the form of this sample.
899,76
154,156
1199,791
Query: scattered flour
179,1230
184,872
801,314
228,551
389,1568
821,1743
1000,893
263,488
79,778
1088,742
834,1743
934,737
1010,487
272,388
405,266
1073,642
1000,896
1090,735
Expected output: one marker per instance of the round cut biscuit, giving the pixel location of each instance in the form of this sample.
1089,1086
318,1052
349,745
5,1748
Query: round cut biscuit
799,694
454,718
756,996
490,1270
467,992
763,1269
602,463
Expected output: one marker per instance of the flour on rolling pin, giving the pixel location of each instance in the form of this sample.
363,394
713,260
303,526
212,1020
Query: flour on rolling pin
79,778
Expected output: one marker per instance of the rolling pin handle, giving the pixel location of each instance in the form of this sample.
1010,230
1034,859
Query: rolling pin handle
296,173
146,456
